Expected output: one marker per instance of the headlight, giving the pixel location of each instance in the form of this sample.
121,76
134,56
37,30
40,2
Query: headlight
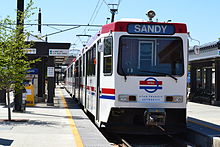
127,98
175,99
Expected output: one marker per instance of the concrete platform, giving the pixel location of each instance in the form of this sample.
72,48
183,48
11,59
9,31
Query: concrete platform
203,122
204,112
66,125
90,135
50,126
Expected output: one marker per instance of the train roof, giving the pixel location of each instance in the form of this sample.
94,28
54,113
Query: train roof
122,26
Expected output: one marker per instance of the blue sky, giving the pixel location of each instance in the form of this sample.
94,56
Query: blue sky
201,16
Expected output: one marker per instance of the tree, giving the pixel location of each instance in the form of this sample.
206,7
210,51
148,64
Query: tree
13,60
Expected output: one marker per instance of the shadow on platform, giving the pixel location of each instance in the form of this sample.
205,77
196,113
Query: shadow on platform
5,142
28,122
40,114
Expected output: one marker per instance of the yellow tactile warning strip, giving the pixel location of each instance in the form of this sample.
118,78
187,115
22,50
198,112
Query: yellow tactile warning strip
204,125
78,140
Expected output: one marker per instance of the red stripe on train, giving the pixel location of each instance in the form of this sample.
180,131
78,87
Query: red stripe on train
108,91
92,88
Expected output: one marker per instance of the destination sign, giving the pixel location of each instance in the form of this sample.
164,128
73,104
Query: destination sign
162,29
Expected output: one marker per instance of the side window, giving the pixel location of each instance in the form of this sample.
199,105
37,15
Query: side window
71,69
87,63
91,56
108,48
76,69
93,59
79,68
83,65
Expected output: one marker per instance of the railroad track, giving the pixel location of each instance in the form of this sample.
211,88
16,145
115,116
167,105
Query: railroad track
155,141
125,143
164,140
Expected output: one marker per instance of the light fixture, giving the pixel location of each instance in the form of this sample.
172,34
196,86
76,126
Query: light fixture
150,14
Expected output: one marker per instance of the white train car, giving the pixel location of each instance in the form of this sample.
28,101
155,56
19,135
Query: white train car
70,79
132,77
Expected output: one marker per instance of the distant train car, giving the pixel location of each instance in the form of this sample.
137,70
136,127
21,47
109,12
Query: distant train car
132,77
69,79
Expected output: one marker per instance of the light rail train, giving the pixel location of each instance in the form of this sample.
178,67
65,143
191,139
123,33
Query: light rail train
132,77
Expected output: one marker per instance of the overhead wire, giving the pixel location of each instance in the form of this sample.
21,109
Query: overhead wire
53,28
94,15
84,31
106,4
94,11
119,2
92,18
97,13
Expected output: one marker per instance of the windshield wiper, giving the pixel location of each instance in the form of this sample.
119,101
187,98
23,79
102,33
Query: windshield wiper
160,73
125,76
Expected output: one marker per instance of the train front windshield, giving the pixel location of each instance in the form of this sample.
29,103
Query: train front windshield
147,56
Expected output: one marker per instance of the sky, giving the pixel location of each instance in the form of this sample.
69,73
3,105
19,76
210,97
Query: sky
201,16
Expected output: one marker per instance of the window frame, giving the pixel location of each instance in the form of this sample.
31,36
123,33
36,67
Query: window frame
107,56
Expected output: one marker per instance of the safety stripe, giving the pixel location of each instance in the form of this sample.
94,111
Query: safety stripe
77,138
204,125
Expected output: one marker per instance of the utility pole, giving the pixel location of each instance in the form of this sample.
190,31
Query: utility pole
20,9
20,22
39,21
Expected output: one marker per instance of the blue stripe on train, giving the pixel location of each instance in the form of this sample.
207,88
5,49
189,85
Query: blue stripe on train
107,97
149,87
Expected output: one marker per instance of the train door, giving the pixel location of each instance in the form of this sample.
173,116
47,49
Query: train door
80,79
105,69
87,79
97,83
71,79
74,81
84,80
77,84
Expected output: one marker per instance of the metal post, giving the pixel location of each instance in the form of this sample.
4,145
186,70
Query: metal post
193,81
113,11
208,85
201,78
57,76
51,81
217,82
43,77
2,97
40,79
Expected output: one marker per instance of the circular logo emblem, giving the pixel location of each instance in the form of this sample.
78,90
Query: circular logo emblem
151,85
